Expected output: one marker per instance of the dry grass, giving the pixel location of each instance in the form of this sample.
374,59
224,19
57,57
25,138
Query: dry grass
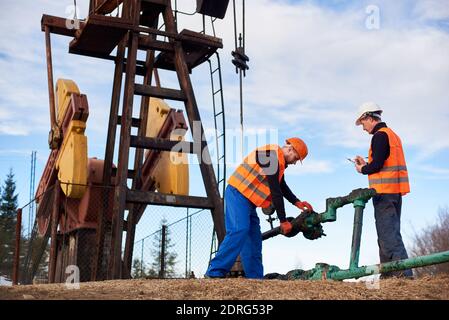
236,289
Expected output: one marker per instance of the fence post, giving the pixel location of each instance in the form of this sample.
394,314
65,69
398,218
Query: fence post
162,258
141,259
187,243
15,274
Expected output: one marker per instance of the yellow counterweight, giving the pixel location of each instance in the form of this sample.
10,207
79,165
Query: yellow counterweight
171,174
72,157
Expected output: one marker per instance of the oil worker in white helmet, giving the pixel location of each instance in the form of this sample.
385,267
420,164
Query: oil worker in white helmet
387,173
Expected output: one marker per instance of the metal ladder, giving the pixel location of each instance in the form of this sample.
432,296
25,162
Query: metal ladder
220,131
219,123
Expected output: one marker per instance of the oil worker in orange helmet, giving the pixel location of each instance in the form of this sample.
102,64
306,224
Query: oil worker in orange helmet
257,182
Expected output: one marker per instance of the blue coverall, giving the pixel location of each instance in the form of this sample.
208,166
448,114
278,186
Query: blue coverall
243,236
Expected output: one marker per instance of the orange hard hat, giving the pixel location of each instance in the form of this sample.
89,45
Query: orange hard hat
299,146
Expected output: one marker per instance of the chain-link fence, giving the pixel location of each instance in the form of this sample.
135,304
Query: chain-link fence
169,242
180,249
29,254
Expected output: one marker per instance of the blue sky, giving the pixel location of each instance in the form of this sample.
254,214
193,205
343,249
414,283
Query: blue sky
312,64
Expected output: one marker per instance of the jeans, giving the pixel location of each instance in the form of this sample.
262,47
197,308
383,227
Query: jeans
387,212
243,236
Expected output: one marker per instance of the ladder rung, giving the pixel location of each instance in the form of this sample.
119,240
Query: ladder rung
147,43
217,91
135,122
217,114
161,93
215,70
150,197
222,157
140,66
140,70
163,144
131,173
221,135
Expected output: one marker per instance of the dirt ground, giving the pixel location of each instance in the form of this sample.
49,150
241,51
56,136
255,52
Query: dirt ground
235,289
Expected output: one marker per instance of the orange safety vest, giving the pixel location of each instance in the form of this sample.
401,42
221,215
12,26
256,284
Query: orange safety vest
250,180
393,177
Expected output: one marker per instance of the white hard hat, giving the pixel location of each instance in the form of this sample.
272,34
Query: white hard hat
368,109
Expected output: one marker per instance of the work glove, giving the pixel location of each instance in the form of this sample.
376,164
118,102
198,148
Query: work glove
304,205
286,227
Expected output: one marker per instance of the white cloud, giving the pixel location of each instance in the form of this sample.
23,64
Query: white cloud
432,9
318,65
434,172
13,128
310,166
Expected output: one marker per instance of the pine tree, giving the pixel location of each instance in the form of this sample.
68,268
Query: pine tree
139,270
170,256
8,212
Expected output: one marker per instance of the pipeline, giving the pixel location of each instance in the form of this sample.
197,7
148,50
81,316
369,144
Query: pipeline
323,271
309,224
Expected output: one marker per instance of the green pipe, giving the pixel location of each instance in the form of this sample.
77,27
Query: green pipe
404,264
358,196
323,271
356,237
309,223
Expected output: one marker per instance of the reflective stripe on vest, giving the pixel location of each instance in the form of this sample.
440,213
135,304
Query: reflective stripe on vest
394,168
388,180
251,186
393,177
250,180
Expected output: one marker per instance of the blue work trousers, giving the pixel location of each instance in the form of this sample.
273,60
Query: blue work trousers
242,237
387,212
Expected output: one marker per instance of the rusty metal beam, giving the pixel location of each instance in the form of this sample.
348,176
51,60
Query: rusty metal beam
54,230
100,35
108,164
115,265
138,161
113,114
58,25
135,122
163,144
147,43
173,200
51,91
131,173
162,93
